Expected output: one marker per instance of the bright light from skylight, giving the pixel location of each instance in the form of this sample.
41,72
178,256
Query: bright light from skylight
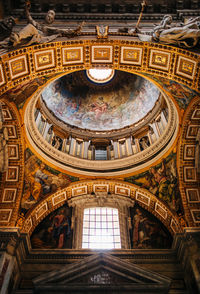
100,75
101,228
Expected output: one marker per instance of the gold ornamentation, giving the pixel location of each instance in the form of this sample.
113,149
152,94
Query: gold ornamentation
44,59
102,54
131,55
186,67
159,59
18,66
72,55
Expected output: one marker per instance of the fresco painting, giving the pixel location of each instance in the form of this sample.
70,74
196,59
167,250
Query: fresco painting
40,180
162,181
55,231
76,102
181,93
146,231
24,90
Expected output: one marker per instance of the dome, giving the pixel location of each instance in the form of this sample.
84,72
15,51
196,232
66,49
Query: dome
77,101
90,127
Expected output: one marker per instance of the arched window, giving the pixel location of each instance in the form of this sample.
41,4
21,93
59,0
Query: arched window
101,228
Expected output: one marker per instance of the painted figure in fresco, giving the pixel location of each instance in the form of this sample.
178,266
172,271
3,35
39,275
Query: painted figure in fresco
140,235
99,107
37,181
115,108
55,231
61,228
147,232
166,189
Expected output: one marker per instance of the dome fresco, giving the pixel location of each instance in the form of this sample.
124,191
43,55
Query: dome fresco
122,102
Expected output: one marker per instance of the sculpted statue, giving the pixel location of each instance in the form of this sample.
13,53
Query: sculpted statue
6,26
35,33
185,35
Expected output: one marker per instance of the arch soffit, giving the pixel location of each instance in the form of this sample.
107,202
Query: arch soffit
189,184
118,188
11,185
49,59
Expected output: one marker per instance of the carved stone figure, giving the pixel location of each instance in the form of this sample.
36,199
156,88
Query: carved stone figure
6,26
185,35
35,33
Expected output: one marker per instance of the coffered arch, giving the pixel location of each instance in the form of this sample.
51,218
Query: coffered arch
90,188
186,157
128,55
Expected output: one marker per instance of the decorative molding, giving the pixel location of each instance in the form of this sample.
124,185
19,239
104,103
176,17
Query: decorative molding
192,131
160,209
195,215
18,66
44,59
124,191
12,183
59,198
190,174
188,177
9,195
193,195
189,152
186,67
12,174
12,134
72,55
13,151
102,54
128,55
159,59
131,55
5,215
2,77
141,197
103,192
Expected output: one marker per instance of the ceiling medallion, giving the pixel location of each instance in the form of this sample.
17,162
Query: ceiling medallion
101,75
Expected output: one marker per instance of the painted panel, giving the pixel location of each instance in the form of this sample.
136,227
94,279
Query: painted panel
54,231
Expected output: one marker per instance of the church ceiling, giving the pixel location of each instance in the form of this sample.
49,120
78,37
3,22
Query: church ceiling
122,102
175,70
